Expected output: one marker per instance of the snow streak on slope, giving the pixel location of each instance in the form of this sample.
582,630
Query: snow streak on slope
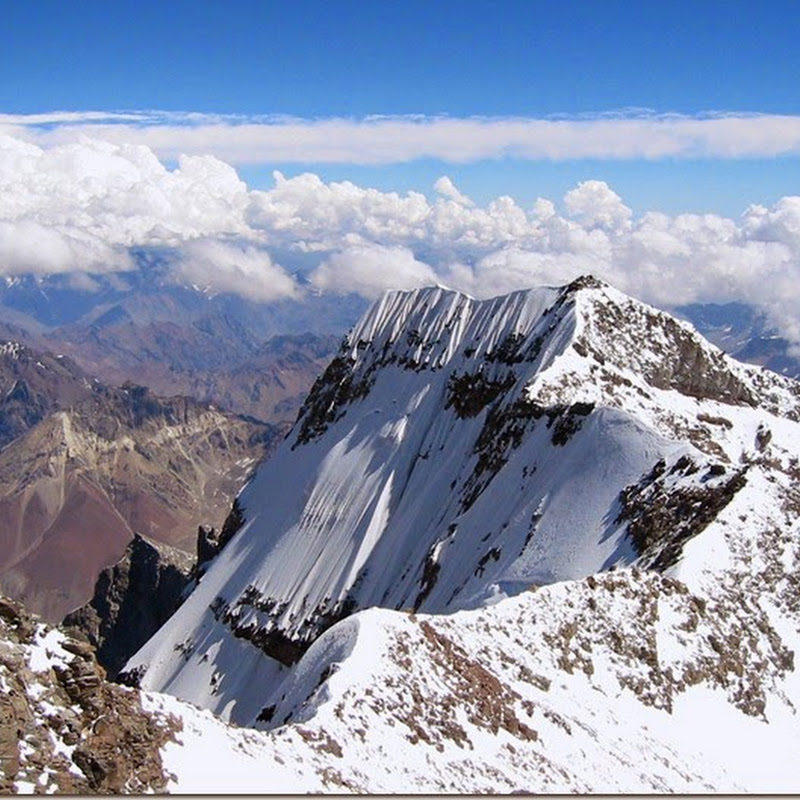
456,452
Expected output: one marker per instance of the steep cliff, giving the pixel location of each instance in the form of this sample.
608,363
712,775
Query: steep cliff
132,600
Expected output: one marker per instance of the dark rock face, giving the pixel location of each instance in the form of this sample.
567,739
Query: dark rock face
661,520
271,640
207,544
683,363
335,388
63,727
210,541
132,600
743,332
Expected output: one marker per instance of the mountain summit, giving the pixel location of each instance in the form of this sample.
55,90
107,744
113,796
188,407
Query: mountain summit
458,452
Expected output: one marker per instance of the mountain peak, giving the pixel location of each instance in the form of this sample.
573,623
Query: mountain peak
582,342
435,467
11,349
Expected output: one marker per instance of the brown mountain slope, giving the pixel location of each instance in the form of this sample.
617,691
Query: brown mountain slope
33,384
76,487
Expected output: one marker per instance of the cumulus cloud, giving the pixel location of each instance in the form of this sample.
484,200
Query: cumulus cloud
395,139
370,270
323,216
82,206
379,240
120,193
79,207
446,188
29,246
597,205
233,267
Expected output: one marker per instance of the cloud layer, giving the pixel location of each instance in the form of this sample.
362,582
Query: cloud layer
81,206
390,140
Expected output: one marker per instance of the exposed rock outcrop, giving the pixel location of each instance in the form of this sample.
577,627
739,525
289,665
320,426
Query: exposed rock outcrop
63,727
210,542
132,600
33,385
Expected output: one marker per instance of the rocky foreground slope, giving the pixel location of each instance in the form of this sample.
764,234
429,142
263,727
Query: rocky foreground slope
63,727
573,527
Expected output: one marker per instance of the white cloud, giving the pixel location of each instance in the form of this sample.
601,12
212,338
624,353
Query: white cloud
370,270
80,206
233,267
387,140
446,188
316,215
597,205
29,246
304,210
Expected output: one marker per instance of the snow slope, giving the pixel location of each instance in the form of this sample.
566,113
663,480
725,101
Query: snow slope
575,527
457,452
629,681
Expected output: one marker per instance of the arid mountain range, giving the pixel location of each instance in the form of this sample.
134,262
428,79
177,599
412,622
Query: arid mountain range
85,465
247,357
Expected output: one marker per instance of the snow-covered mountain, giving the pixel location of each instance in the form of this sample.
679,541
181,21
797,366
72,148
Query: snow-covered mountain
573,527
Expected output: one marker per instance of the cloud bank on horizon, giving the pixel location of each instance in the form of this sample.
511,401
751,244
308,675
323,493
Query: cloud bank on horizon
72,202
374,140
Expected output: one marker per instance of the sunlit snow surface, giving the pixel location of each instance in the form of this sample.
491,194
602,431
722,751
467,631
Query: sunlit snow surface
628,681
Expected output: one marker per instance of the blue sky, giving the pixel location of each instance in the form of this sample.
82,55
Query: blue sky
531,60
358,58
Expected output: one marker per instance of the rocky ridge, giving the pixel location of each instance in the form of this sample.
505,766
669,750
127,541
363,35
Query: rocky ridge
132,600
745,334
33,385
244,356
63,727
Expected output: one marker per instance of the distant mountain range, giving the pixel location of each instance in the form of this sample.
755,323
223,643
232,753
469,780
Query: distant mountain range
84,465
245,356
742,332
